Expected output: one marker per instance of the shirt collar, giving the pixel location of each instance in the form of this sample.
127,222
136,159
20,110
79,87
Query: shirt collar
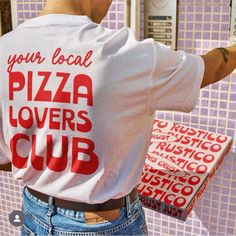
56,19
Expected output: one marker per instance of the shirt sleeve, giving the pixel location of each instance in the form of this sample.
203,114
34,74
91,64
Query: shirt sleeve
3,149
176,79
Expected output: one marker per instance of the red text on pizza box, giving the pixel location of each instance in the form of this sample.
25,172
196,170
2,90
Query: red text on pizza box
179,164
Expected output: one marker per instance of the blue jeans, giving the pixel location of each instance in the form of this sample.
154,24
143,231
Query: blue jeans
43,218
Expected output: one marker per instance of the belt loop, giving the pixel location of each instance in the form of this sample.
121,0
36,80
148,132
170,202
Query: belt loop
50,201
128,206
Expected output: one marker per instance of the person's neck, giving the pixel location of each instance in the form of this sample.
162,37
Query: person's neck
66,7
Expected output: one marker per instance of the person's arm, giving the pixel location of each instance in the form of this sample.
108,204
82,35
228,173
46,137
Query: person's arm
219,63
6,167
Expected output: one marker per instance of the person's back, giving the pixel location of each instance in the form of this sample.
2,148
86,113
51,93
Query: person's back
70,111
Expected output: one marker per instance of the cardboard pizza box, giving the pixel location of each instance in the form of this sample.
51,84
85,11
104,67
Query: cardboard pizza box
180,162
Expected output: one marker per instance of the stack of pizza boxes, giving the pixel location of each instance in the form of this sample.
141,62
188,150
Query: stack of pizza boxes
179,165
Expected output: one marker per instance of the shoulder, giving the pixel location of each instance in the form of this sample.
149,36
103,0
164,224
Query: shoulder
123,40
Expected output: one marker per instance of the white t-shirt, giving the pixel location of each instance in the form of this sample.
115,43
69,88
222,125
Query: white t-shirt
77,104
